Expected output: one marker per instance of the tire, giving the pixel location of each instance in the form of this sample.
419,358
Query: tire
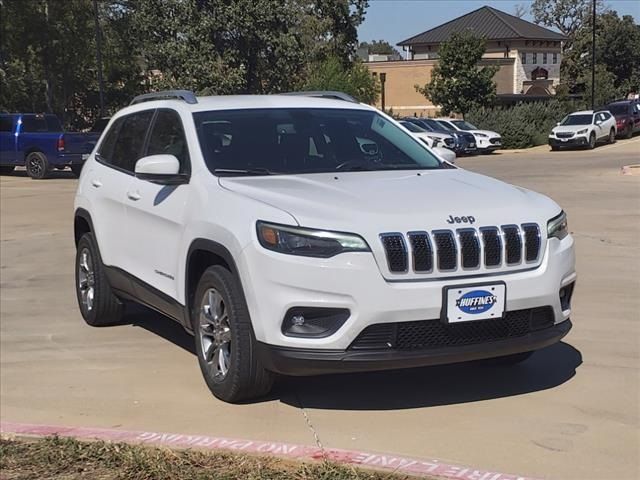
629,133
612,136
509,360
592,141
98,305
6,169
37,165
554,148
224,339
77,169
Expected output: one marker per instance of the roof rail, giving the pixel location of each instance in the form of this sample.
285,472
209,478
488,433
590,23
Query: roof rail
185,95
325,94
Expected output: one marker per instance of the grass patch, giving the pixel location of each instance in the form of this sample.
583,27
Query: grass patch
56,458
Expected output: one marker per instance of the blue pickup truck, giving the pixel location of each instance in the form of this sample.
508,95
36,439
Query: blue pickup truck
38,142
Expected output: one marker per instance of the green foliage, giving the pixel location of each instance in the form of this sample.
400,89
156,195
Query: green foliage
523,125
356,80
457,83
379,47
48,49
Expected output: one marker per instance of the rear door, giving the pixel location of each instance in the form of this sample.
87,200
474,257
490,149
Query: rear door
110,177
155,213
7,139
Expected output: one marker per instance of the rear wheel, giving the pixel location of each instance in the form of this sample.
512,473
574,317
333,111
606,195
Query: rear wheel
37,165
629,133
225,344
6,169
98,305
592,141
612,136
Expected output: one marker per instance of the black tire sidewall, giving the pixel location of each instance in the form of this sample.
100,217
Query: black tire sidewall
76,169
592,141
612,136
241,355
42,159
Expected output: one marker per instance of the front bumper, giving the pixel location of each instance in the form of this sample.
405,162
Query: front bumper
301,361
275,283
489,145
69,159
569,142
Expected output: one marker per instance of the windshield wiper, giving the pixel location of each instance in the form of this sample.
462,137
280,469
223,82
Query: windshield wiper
243,171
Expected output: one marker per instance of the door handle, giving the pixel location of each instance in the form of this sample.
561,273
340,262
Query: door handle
96,183
135,196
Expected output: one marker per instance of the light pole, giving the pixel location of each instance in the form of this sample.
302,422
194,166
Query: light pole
383,79
99,56
593,57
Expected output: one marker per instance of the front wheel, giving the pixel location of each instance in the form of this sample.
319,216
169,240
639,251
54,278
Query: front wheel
98,305
225,344
592,141
612,136
37,165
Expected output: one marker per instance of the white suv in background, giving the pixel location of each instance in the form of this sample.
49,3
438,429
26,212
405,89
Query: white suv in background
486,140
583,129
302,235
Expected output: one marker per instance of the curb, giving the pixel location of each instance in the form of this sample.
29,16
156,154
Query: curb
630,170
387,462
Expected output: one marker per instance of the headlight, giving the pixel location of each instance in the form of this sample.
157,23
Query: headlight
308,242
581,132
557,227
481,135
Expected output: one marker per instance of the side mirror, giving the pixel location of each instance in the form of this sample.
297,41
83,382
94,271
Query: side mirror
557,124
161,168
598,122
445,154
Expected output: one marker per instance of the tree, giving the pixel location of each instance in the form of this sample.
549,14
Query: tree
457,83
568,16
379,47
356,80
605,90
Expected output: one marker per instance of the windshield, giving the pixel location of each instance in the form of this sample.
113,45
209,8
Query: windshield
577,120
412,127
446,125
462,125
619,109
296,140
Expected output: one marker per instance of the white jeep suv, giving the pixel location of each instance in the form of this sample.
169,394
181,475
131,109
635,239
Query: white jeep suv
307,234
583,129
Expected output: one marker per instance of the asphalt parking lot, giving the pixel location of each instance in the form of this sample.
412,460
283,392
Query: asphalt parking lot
570,412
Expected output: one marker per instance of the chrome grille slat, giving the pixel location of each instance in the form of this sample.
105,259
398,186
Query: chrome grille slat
469,248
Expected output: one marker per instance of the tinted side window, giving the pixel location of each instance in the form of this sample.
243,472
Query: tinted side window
53,123
130,141
167,136
34,123
6,124
107,147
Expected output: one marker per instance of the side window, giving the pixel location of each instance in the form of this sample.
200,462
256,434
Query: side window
34,123
107,147
6,124
167,136
131,136
53,123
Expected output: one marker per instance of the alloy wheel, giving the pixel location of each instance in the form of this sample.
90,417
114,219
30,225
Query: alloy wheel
215,333
35,166
86,279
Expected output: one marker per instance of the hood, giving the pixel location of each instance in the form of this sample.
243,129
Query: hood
569,128
369,203
489,133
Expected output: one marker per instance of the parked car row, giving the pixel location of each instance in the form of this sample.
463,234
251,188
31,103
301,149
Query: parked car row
589,127
39,143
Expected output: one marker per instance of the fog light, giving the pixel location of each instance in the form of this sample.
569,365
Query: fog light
313,322
566,293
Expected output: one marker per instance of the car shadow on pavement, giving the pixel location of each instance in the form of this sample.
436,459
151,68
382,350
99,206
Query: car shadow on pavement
396,389
432,386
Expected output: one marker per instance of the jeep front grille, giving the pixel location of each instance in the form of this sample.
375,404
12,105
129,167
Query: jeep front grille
465,248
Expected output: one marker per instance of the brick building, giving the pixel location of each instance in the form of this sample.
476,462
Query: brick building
528,55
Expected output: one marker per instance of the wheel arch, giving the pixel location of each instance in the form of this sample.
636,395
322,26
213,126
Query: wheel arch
202,254
82,224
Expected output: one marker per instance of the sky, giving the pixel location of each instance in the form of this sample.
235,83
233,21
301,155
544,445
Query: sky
397,20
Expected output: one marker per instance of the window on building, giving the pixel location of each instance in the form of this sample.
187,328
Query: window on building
524,58
555,58
535,58
544,58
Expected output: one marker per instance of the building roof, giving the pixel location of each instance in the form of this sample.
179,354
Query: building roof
486,22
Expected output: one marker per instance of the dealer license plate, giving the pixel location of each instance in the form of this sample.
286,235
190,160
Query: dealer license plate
477,302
